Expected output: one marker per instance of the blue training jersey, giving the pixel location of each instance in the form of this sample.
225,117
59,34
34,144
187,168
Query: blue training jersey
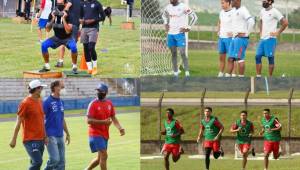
54,116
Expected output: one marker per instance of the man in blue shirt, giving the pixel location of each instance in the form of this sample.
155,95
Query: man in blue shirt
55,125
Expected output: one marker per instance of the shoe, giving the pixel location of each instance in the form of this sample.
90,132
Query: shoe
59,64
44,69
233,75
74,70
227,75
94,71
221,74
253,152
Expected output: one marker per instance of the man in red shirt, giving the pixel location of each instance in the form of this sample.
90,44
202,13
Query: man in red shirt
100,115
31,118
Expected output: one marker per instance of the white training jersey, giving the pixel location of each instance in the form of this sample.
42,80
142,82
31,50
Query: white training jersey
240,20
270,19
225,18
47,9
178,17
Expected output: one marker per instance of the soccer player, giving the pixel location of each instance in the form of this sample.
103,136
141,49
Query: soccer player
73,9
269,18
100,115
225,33
27,9
173,131
91,13
244,130
242,25
175,18
212,130
271,128
59,20
55,124
42,17
130,3
108,12
31,118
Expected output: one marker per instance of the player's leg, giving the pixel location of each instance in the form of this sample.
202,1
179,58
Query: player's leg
50,42
103,159
53,152
181,44
259,54
61,150
176,152
71,44
245,151
267,150
270,48
231,58
99,145
61,54
222,57
216,149
87,54
35,150
207,157
166,160
171,43
93,37
241,53
276,153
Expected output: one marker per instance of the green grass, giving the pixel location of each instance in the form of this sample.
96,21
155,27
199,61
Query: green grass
205,63
222,94
123,151
20,50
226,164
82,111
117,4
189,118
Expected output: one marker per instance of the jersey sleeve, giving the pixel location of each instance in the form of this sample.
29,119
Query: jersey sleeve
277,123
43,2
218,124
246,13
234,126
90,111
22,109
278,15
178,125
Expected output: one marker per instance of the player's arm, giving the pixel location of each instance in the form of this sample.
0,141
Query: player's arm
277,125
200,134
234,128
68,5
67,132
13,141
221,127
93,121
50,23
179,129
193,16
166,19
101,13
118,125
251,130
262,131
67,25
163,132
284,23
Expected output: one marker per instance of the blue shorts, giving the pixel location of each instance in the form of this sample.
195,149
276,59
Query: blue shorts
237,49
55,42
223,45
98,143
266,47
177,40
42,23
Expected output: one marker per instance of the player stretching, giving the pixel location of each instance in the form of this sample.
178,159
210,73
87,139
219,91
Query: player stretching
176,22
269,17
242,24
271,128
100,115
173,131
244,130
225,33
212,130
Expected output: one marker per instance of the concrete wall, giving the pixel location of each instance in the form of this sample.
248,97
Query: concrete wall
191,147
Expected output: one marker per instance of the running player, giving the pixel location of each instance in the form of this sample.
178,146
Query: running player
244,130
269,18
175,18
100,115
242,25
173,131
212,130
225,33
42,16
271,128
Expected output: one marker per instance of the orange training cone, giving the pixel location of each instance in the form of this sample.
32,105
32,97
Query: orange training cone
83,65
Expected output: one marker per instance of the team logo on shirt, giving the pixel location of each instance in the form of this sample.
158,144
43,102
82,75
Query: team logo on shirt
169,132
267,127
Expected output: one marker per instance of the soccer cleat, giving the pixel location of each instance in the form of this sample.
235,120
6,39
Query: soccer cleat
59,64
94,71
74,70
44,69
253,152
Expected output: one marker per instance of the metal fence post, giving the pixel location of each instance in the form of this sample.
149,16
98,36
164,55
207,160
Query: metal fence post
159,118
289,120
246,99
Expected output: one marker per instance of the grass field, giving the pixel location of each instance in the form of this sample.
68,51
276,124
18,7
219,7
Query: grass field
117,4
123,151
118,50
189,118
206,64
222,164
222,94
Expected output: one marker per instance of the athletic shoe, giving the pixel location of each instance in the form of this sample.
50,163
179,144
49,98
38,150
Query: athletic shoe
221,74
227,75
253,152
74,70
94,71
233,75
44,69
59,64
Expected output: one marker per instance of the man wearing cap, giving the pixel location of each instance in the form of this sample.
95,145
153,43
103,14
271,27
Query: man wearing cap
31,117
55,125
100,115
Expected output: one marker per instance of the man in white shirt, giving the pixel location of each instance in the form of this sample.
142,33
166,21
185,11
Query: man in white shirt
225,33
242,25
269,18
176,22
42,17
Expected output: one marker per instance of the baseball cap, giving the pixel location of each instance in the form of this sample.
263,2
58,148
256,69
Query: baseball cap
102,87
36,83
